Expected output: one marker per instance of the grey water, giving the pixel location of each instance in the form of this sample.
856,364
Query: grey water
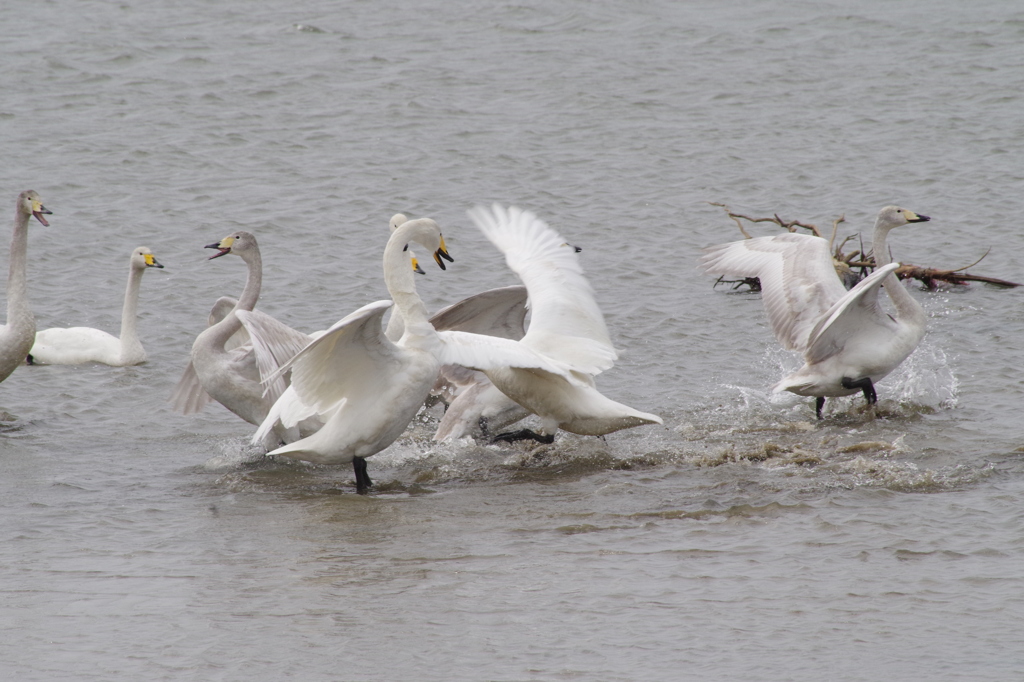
741,540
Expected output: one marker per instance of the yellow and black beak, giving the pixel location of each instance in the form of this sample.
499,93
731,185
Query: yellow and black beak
442,252
914,217
38,210
415,262
152,262
224,245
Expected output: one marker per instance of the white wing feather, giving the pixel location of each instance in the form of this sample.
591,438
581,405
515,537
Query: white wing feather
849,316
798,280
274,343
346,359
485,353
566,323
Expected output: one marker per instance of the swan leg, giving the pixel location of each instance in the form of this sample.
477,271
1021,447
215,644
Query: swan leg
819,403
864,385
29,360
362,478
523,434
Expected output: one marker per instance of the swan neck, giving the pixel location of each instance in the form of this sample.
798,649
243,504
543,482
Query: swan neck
400,280
223,330
17,295
906,307
129,313
253,282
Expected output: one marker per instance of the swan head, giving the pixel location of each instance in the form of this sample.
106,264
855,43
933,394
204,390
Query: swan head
29,203
143,258
237,243
894,216
426,232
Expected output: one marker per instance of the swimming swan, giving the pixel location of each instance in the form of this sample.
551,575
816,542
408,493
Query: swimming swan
18,335
566,327
76,345
847,340
367,388
225,371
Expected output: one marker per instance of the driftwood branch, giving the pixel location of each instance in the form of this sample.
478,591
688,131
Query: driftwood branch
846,264
790,225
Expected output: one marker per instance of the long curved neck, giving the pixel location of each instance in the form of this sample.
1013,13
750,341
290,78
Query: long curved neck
129,313
17,296
401,283
906,307
223,330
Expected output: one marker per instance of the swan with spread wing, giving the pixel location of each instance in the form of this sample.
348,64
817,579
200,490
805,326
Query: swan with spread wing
848,341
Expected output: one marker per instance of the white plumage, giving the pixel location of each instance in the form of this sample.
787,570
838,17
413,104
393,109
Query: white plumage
848,341
76,345
567,329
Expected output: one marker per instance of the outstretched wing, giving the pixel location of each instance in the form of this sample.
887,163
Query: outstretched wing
189,396
798,280
566,323
274,344
350,356
495,312
484,353
852,315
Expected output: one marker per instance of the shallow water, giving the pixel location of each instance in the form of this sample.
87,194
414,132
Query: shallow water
742,539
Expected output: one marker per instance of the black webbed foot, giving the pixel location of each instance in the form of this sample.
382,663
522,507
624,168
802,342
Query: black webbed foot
363,481
819,403
523,434
864,385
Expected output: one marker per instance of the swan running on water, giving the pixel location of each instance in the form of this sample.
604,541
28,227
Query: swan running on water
76,345
848,342
18,335
367,388
566,328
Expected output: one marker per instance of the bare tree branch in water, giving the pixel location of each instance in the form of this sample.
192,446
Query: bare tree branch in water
854,266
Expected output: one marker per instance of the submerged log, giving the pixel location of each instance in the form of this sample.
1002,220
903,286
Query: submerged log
856,265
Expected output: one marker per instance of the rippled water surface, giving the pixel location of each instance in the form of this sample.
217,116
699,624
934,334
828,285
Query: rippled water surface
741,540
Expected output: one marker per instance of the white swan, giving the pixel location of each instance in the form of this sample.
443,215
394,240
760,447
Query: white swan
367,388
847,340
496,312
18,335
566,327
76,345
225,371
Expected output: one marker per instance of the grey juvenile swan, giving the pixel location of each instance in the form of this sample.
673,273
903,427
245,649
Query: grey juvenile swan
229,373
18,335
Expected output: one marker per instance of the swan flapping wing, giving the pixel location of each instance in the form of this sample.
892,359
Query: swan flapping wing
350,357
798,280
484,353
189,396
274,343
495,312
566,323
851,316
